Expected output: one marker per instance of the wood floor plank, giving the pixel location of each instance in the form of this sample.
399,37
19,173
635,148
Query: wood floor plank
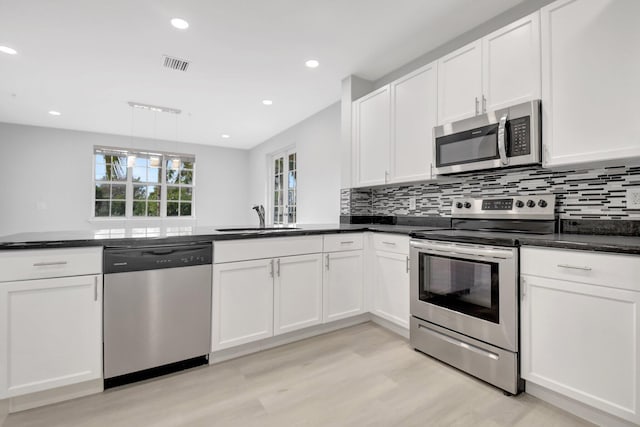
359,376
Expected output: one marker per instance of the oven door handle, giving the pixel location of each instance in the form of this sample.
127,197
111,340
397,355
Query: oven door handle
502,144
457,250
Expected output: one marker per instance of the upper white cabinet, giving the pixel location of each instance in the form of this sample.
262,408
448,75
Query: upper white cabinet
511,64
460,83
590,86
51,326
371,133
413,116
496,71
580,327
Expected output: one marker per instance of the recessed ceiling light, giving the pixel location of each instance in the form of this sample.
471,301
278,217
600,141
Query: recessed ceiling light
267,102
179,23
55,113
312,63
225,136
8,50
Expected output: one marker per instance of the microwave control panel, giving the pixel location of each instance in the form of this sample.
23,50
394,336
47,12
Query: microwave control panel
519,137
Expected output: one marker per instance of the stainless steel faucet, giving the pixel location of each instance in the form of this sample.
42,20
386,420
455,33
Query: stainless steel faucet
260,211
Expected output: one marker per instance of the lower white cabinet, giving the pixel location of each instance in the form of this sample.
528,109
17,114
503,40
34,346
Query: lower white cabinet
391,286
242,302
579,339
298,293
343,285
50,333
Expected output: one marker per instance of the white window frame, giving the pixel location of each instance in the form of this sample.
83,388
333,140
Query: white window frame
271,187
164,156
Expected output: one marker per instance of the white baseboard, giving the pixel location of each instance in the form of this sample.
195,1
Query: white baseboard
578,409
47,397
254,347
397,329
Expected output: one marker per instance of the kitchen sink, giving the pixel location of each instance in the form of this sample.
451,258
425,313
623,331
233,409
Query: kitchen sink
256,229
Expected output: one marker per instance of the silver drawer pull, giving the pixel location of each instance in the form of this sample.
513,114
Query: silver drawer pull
389,243
574,267
49,264
347,242
458,343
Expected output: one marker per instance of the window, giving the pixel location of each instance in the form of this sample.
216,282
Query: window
131,184
285,187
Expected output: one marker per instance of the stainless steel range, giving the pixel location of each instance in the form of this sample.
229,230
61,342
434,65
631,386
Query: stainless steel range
464,285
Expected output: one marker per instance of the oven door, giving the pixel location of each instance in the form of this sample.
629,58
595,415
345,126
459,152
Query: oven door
470,289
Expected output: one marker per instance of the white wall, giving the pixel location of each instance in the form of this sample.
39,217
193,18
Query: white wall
47,179
317,141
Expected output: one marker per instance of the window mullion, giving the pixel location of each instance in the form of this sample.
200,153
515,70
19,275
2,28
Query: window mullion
129,194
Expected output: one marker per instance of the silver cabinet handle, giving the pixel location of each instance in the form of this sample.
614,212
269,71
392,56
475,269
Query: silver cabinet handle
278,265
574,267
389,243
484,104
502,147
347,242
386,176
271,270
95,289
48,264
408,267
477,106
326,263
523,288
431,170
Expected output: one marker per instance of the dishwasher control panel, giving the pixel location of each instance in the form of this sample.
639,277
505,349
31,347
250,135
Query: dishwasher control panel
120,260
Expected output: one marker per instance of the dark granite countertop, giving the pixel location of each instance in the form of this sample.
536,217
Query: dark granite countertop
138,236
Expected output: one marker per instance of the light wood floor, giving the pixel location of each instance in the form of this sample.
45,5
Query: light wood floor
359,376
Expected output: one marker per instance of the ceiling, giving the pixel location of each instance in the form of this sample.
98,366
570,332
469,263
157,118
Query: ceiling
88,58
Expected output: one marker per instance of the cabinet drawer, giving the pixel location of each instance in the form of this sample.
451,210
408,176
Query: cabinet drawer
597,268
46,263
267,247
391,243
343,242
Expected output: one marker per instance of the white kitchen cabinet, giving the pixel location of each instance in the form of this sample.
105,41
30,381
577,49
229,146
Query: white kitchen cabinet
580,327
590,89
343,285
50,332
511,64
391,286
414,113
371,134
499,70
460,83
297,293
242,302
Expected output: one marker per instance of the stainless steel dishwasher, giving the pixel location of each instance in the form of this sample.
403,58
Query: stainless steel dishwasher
157,310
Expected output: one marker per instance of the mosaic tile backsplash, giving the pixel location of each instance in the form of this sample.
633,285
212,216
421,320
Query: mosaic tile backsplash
580,193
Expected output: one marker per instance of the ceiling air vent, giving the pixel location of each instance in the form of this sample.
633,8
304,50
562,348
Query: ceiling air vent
175,63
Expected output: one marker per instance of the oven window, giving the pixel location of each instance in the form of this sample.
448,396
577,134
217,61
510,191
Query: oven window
468,147
462,285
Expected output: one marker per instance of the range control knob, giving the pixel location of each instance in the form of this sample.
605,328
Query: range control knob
542,203
531,204
459,205
519,204
467,205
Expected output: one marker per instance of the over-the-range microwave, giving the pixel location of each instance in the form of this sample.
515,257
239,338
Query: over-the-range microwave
501,138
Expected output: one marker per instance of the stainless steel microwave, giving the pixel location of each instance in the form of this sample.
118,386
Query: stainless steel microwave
501,138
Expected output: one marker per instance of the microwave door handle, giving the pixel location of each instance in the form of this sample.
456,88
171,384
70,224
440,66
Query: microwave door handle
502,145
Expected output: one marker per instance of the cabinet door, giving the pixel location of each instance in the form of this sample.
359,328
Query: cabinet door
582,341
511,64
460,83
242,303
50,333
371,133
391,287
343,285
590,89
298,293
414,113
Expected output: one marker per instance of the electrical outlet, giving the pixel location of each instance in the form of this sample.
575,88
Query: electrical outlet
633,198
412,203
